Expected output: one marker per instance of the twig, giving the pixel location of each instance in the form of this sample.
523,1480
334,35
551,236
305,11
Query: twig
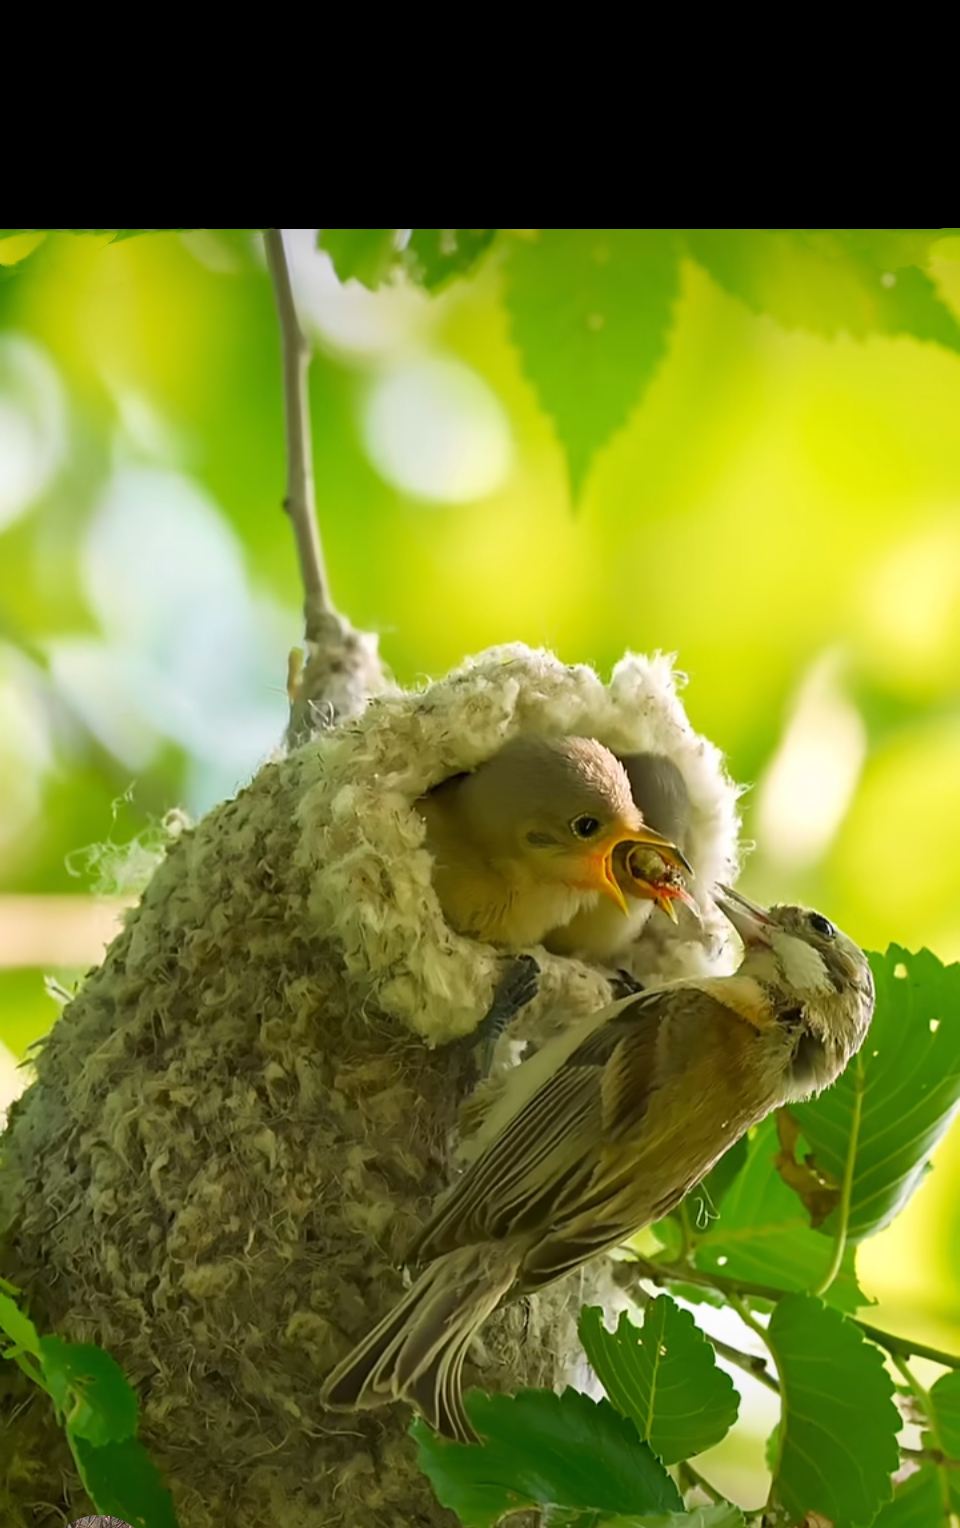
746,1316
750,1363
906,1347
342,668
300,502
930,1456
665,1273
843,1216
691,1477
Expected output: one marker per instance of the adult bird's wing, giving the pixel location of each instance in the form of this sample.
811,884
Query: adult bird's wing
557,1138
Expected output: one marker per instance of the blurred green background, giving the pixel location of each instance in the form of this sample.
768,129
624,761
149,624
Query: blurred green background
782,511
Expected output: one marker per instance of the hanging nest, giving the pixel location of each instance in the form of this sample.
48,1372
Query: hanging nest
240,1122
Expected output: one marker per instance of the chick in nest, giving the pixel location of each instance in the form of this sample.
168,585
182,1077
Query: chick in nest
525,842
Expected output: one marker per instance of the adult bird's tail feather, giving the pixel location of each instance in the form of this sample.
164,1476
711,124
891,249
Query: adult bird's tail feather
416,1354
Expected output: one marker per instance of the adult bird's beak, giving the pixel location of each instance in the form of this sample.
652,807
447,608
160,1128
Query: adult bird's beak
751,922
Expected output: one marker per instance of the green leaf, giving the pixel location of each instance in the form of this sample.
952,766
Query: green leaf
544,1450
90,1390
910,1066
664,1376
762,1233
916,1503
366,254
591,310
18,1326
812,279
945,1397
839,1425
122,1481
436,256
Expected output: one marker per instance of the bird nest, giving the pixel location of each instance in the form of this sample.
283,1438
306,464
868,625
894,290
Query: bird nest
241,1120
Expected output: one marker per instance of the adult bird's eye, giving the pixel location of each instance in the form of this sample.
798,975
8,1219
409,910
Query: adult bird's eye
822,925
586,826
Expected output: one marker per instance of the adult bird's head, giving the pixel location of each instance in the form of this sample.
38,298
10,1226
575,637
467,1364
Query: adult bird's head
820,983
560,807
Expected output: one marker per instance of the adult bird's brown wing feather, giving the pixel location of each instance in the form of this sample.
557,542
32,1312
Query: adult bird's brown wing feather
539,1154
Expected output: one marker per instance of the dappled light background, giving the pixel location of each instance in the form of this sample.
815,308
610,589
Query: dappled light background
781,511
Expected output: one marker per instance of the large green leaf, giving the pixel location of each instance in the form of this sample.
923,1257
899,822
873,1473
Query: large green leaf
762,1235
839,1425
909,1069
815,279
122,1481
545,1450
90,1389
664,1376
591,310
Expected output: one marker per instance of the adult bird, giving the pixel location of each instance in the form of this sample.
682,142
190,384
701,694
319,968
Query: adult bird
525,841
604,1131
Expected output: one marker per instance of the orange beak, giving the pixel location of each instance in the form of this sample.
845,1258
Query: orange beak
600,874
666,895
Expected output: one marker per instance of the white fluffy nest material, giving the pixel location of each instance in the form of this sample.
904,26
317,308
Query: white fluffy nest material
362,842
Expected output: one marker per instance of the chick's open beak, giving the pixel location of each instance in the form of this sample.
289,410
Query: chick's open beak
667,851
752,923
667,895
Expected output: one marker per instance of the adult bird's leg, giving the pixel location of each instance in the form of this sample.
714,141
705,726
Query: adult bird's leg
516,988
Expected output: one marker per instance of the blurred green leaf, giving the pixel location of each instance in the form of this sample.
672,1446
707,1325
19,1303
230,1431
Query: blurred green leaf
720,1515
916,1503
122,1481
910,1068
762,1234
435,256
368,255
591,310
945,1398
838,1432
91,1391
544,1450
812,279
664,1376
18,1327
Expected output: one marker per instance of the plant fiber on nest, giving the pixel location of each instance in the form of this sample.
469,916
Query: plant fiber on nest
242,1118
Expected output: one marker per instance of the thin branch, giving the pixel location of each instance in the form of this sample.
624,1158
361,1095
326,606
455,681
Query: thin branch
906,1347
300,502
846,1193
930,1456
747,1317
690,1477
666,1273
750,1363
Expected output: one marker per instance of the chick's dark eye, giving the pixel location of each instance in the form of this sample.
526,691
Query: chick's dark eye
822,926
586,826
